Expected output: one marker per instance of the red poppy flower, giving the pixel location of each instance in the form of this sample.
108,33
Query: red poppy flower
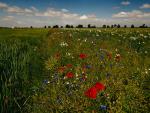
99,86
83,56
69,65
69,75
91,93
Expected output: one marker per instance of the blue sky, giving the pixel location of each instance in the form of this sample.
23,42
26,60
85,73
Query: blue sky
51,12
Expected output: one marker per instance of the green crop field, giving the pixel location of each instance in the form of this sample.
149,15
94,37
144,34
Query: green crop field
75,70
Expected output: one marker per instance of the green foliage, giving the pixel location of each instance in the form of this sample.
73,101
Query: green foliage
17,68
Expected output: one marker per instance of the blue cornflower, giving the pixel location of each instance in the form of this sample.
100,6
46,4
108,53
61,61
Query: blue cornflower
46,81
103,107
101,57
88,66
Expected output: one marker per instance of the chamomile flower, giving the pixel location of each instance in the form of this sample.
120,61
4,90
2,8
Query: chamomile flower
67,83
85,40
63,44
76,74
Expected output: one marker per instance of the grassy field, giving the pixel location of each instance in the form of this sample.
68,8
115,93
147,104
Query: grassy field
75,70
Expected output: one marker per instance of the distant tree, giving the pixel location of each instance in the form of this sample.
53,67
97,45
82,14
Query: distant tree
115,25
45,26
80,26
55,26
89,25
71,26
104,26
67,26
108,26
118,26
132,26
144,26
61,27
49,26
112,26
31,27
93,26
125,26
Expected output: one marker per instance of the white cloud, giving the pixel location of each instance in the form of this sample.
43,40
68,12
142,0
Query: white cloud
132,14
18,10
8,18
15,9
83,17
64,10
125,3
34,9
145,6
49,13
3,5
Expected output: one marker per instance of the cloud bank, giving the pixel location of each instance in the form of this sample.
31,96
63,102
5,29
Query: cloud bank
145,6
132,14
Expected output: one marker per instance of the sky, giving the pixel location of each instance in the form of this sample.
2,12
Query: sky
38,13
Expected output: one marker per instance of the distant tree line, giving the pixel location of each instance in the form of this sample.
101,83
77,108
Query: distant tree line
93,26
125,26
88,26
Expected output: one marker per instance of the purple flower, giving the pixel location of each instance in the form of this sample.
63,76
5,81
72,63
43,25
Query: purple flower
82,79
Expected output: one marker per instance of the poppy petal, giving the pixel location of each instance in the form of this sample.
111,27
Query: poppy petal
99,86
91,93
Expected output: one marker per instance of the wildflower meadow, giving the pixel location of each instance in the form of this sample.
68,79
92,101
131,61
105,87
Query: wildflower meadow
76,70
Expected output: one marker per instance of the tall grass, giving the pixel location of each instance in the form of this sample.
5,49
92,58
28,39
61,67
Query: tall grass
19,67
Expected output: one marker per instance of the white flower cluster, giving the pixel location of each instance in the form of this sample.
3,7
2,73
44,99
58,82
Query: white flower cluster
133,38
63,44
